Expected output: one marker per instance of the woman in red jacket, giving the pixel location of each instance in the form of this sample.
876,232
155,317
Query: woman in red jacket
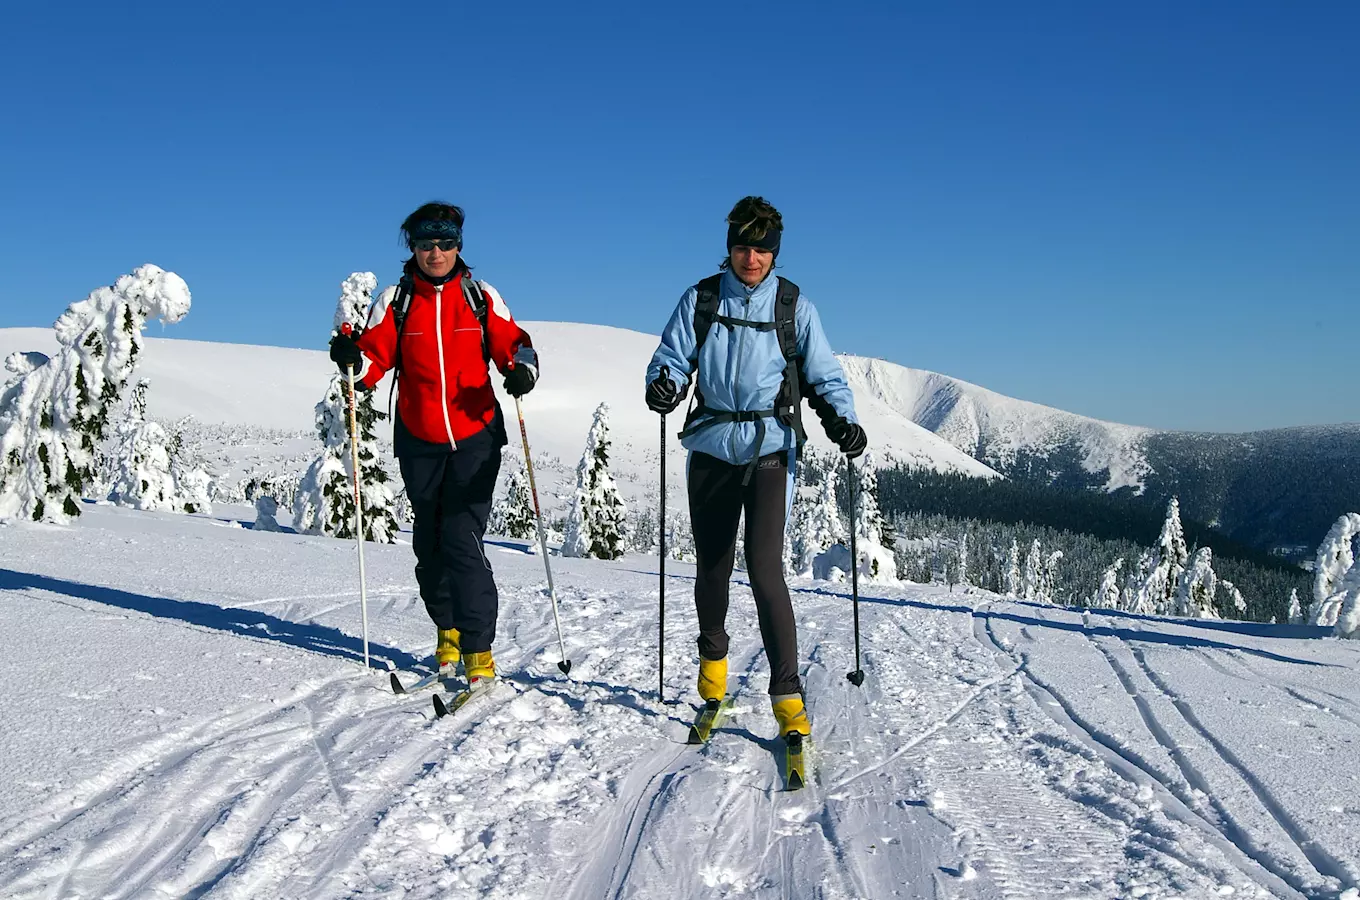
441,330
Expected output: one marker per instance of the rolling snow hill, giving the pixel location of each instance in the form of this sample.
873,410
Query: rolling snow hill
583,365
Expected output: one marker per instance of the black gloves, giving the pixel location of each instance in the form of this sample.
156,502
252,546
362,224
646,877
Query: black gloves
662,395
520,379
345,352
848,436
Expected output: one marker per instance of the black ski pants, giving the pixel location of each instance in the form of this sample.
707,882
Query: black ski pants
716,500
450,493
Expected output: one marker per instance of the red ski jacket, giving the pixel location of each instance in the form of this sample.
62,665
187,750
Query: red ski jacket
444,384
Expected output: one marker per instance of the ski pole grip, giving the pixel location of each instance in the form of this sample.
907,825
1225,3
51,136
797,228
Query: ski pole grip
346,329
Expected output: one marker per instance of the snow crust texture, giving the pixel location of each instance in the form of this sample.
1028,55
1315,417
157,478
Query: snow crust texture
186,718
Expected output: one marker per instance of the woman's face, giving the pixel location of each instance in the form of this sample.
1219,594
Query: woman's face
436,258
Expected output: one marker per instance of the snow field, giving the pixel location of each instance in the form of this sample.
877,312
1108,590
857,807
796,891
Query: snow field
186,719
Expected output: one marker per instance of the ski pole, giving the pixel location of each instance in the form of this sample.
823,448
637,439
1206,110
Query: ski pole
358,498
856,677
661,593
565,664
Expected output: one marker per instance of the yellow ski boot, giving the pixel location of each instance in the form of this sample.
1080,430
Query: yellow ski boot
481,669
790,714
447,653
712,679
713,691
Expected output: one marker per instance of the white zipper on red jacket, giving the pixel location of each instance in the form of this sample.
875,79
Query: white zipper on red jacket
439,343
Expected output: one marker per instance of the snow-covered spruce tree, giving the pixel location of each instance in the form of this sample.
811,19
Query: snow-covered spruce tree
1014,581
1034,572
1295,608
324,503
1048,579
824,530
1107,595
798,537
140,463
1235,605
513,514
55,415
873,536
963,558
1198,586
1335,560
1336,580
149,468
193,481
596,519
1135,586
1159,591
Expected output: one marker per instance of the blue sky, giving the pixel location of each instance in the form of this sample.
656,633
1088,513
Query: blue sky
1144,212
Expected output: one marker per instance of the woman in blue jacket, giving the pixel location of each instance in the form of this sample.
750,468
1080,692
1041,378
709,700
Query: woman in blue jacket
754,349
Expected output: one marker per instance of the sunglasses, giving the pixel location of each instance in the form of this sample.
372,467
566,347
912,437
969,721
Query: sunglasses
426,246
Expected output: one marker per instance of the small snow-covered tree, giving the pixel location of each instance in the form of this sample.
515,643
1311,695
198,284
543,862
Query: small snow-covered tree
1235,604
873,535
193,481
798,534
1135,596
596,519
1034,572
266,508
825,536
1048,580
1014,582
963,558
513,514
1159,590
1335,560
55,415
1107,595
1336,580
141,462
324,503
1198,587
1295,608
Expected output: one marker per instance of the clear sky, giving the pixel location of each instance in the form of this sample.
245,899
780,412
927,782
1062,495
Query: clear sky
1147,212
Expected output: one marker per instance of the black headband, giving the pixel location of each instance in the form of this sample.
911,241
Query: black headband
769,242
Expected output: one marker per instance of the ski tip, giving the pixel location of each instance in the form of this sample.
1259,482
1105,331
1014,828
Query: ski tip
440,710
795,782
856,677
694,736
565,666
397,687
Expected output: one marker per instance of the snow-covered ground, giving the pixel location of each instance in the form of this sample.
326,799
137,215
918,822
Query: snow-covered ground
184,717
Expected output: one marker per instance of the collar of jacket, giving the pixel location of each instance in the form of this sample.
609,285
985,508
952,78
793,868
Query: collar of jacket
418,275
732,286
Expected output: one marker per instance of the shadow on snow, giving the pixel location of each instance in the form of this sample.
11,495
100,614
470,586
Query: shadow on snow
245,622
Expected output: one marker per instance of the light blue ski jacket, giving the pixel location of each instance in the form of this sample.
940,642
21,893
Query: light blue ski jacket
742,368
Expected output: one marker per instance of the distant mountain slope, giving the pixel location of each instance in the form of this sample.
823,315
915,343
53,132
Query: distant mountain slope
1276,490
1009,435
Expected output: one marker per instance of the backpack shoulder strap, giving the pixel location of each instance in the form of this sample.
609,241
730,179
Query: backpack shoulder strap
789,405
399,306
785,318
476,298
705,311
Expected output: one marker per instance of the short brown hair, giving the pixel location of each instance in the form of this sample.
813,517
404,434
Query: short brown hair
755,217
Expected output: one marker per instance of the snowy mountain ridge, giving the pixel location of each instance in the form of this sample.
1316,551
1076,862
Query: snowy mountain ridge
1000,430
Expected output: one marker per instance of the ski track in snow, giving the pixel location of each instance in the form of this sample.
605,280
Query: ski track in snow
997,749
